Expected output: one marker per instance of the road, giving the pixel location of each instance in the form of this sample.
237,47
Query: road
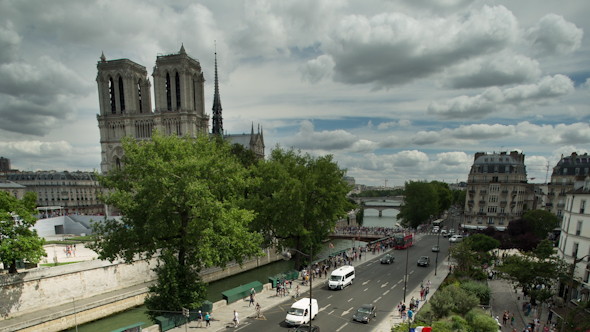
380,284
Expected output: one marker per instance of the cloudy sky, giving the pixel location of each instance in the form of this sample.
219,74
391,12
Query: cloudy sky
394,89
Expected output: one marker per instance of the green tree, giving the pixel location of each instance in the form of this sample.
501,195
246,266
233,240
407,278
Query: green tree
444,195
360,216
420,202
478,289
463,300
298,199
463,256
179,198
482,243
17,240
537,267
459,198
247,157
442,303
542,222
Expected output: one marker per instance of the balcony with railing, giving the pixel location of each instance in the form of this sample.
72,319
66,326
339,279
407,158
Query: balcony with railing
560,205
551,194
482,202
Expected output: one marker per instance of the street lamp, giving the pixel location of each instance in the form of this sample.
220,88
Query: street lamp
406,274
570,287
437,250
287,256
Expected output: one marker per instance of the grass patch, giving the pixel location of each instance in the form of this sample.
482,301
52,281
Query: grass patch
58,264
63,242
86,238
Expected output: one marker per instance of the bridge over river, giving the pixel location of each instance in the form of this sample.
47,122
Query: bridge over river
360,236
380,203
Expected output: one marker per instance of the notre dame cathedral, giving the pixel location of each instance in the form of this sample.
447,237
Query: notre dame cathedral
126,107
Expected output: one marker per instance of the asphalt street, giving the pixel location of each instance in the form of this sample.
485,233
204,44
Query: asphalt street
375,283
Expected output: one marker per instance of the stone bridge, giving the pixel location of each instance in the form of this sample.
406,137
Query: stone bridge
362,236
378,203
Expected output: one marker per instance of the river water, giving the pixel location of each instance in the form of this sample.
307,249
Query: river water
136,315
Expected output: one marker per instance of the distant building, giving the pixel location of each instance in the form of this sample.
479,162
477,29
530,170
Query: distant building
496,188
4,164
575,237
75,192
568,171
349,180
14,189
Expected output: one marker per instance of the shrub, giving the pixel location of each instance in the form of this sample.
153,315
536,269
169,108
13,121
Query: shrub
483,323
459,324
480,290
442,303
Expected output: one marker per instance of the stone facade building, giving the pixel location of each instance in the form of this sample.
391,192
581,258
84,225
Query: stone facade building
574,242
14,189
68,192
4,164
496,188
569,173
179,97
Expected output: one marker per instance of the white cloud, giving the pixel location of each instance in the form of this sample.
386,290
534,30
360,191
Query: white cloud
386,125
404,123
493,100
308,138
409,158
553,35
455,158
317,69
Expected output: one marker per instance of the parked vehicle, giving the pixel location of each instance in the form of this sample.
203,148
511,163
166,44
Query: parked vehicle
365,313
387,259
424,261
299,312
341,277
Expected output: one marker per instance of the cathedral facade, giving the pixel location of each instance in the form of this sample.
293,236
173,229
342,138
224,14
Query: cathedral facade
126,108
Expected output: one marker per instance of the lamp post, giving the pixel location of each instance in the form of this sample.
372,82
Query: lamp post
570,287
437,250
406,274
287,256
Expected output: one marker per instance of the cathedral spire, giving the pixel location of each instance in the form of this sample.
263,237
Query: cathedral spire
217,118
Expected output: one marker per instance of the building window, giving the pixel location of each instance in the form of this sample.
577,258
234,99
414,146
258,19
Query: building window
490,220
469,220
485,178
481,210
168,92
495,169
579,228
577,171
507,169
479,221
485,168
575,250
121,94
494,179
492,209
112,96
139,96
502,210
501,221
506,178
582,206
177,81
565,171
493,199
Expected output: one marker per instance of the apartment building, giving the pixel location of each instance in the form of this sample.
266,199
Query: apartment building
569,173
496,190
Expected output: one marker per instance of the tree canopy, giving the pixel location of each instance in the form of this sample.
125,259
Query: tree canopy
298,199
180,198
18,241
482,243
444,195
420,202
541,222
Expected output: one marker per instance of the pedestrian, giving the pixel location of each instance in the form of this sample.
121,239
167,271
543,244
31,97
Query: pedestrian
549,317
505,317
403,316
236,319
512,320
399,309
251,300
297,292
207,320
410,315
258,310
422,294
428,284
200,319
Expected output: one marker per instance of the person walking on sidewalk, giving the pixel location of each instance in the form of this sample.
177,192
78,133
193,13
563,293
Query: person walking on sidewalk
251,300
199,319
207,320
236,319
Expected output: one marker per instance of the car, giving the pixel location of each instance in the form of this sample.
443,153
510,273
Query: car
435,229
443,232
456,238
306,328
424,261
435,248
365,313
387,259
451,232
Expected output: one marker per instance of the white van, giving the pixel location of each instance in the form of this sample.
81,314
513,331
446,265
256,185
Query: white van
299,312
341,277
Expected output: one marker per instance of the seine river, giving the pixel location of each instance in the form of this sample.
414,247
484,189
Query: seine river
136,315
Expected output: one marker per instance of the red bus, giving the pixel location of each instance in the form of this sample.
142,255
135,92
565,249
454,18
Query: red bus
403,240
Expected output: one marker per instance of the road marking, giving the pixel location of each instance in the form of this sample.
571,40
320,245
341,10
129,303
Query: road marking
411,272
324,308
331,312
341,327
330,296
347,311
387,291
393,287
399,282
378,281
365,289
385,284
377,299
366,282
350,299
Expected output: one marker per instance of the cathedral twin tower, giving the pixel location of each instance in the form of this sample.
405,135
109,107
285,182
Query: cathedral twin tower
126,108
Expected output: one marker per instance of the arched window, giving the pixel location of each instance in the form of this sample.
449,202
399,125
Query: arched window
177,81
139,96
121,94
112,96
168,92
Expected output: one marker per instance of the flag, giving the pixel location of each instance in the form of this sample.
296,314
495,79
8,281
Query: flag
331,245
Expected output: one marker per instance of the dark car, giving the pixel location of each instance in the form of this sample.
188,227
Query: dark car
305,328
424,261
365,313
387,259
